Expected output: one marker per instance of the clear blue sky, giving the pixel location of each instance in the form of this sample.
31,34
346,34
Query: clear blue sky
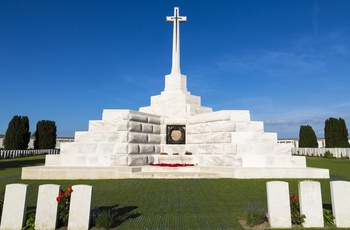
288,62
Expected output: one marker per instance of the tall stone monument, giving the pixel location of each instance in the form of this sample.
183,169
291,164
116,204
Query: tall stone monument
222,144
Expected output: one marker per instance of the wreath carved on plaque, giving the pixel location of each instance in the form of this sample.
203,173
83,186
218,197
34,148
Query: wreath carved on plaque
176,134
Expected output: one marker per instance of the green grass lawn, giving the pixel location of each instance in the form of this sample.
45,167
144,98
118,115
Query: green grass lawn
174,203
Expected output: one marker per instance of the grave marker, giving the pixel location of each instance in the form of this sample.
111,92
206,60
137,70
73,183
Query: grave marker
47,207
310,200
340,194
15,205
80,207
278,204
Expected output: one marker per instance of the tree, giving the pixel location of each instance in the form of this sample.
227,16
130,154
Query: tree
307,137
336,134
45,135
17,134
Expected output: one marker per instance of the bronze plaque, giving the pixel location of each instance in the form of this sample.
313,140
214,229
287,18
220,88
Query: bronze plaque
176,134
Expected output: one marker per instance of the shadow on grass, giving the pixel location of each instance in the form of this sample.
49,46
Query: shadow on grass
30,210
327,206
20,162
120,214
126,213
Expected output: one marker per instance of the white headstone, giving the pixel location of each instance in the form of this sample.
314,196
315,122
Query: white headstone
310,200
340,193
15,205
278,204
47,207
80,207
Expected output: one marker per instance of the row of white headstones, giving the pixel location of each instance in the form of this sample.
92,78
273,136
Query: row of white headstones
310,203
15,205
278,201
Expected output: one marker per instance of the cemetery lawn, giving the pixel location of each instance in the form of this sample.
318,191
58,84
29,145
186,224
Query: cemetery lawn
174,203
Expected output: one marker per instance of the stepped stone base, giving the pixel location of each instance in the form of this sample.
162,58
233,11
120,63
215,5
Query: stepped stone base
125,172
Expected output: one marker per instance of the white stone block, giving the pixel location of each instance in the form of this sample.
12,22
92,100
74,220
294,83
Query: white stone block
147,128
209,138
283,149
247,137
230,149
238,115
278,204
80,207
310,200
154,119
340,194
210,160
85,148
115,114
14,207
135,126
105,148
118,160
273,161
122,125
199,128
51,160
223,126
156,149
96,126
137,160
133,149
138,117
209,117
232,161
255,149
249,126
120,148
138,138
47,207
154,138
156,129
195,109
82,136
146,149
205,149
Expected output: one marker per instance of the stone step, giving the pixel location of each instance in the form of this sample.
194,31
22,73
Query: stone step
174,175
169,169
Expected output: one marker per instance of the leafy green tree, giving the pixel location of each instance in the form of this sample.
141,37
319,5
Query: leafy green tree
17,134
307,137
336,134
45,135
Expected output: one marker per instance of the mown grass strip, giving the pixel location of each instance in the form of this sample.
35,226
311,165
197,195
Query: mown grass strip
174,204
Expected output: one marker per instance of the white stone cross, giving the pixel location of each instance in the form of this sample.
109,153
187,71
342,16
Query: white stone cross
176,19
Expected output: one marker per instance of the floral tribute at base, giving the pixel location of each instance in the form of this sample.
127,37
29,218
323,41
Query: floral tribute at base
63,200
297,217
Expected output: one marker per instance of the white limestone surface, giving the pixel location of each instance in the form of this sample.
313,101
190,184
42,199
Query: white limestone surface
310,200
278,204
47,207
80,207
340,194
14,207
